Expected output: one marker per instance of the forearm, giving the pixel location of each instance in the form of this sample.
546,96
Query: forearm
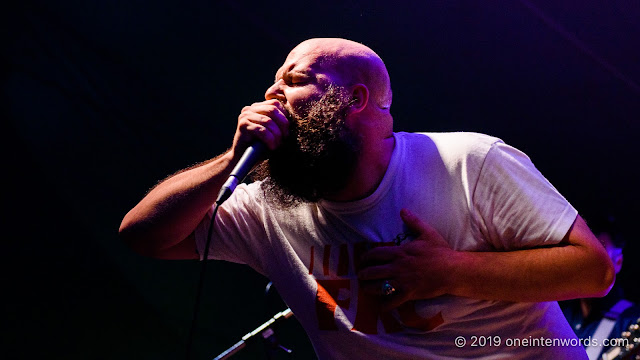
173,209
579,267
428,267
170,212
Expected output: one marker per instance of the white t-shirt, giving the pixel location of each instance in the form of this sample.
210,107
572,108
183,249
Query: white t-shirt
477,192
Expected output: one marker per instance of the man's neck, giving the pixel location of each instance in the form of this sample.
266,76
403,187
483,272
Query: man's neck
371,168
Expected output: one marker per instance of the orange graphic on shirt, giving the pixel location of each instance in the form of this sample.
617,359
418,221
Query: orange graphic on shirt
368,311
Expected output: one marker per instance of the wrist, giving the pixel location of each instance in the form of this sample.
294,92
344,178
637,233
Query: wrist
459,262
229,158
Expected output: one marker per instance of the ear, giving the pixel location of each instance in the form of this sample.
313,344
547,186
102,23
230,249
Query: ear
359,98
617,263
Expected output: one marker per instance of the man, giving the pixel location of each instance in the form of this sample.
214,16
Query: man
600,319
384,245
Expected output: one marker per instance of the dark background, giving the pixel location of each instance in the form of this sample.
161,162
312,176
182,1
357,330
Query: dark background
101,99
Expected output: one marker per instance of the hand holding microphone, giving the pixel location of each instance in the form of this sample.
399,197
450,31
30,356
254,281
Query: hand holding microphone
249,159
263,124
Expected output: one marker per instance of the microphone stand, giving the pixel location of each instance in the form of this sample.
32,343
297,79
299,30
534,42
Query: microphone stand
267,334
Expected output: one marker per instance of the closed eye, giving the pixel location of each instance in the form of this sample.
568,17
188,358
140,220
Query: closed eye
296,78
299,81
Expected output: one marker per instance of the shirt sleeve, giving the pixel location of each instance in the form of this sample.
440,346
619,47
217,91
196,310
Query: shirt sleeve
238,235
516,207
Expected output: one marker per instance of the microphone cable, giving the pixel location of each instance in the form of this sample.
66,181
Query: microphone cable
249,159
203,269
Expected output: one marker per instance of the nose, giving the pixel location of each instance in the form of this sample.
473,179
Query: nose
275,91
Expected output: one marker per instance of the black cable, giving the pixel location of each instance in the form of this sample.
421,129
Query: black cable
196,307
250,157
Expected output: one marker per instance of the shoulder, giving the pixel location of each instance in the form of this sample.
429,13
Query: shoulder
456,150
455,143
632,314
246,197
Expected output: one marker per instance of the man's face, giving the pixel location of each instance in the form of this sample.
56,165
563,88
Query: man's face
318,157
302,79
615,253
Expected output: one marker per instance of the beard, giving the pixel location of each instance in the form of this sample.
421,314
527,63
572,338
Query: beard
318,157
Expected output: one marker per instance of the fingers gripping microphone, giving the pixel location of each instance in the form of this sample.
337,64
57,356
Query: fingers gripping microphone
249,159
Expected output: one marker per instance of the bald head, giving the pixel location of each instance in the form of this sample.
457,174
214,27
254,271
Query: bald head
337,94
352,63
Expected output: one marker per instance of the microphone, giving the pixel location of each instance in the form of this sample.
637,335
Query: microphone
249,159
